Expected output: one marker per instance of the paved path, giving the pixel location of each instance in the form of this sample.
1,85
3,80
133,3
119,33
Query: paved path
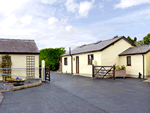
76,94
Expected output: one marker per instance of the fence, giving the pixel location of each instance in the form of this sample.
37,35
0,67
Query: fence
34,73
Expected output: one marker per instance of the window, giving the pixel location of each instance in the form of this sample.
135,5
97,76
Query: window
90,58
128,60
65,61
30,63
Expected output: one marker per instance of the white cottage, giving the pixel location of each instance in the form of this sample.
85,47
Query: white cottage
117,50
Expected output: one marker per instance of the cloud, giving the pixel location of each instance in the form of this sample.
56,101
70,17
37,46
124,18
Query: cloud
51,1
26,20
52,20
8,6
85,7
8,21
71,6
101,5
129,3
68,28
81,9
128,18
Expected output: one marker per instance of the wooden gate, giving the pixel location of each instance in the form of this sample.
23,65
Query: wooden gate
47,73
103,71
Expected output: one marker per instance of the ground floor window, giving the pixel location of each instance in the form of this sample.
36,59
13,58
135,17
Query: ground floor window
128,60
65,61
90,58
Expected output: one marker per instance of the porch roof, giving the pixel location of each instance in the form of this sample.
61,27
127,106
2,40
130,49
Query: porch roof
139,49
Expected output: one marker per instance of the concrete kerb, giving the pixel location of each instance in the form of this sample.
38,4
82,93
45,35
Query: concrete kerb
22,87
2,99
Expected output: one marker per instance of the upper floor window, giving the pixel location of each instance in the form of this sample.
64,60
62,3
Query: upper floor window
128,60
90,58
65,61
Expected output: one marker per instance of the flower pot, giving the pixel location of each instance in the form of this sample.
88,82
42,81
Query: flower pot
10,81
18,83
120,73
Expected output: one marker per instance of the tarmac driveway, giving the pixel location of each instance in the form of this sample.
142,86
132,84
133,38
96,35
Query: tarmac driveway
75,94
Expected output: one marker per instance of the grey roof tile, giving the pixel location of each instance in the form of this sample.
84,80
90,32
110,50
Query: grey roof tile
139,49
18,46
94,46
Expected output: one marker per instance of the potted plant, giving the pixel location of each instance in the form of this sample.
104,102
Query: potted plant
18,81
10,80
120,71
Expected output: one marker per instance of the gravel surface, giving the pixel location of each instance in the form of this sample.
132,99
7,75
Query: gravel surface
1,98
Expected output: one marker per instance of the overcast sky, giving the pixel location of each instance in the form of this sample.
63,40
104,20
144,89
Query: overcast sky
71,23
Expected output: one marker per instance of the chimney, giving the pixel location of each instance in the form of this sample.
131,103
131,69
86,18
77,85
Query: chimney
69,50
116,36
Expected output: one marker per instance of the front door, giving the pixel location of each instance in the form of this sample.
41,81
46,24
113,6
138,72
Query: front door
77,64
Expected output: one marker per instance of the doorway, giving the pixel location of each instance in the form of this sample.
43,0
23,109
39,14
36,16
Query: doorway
77,64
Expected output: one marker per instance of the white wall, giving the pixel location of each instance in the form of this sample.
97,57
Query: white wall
110,54
84,68
66,68
19,61
136,65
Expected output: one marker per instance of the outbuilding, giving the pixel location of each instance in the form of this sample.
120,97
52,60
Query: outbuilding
17,54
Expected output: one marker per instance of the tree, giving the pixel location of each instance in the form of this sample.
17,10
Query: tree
51,56
139,42
147,39
132,40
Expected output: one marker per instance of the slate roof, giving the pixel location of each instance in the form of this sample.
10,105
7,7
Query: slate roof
139,49
99,46
18,46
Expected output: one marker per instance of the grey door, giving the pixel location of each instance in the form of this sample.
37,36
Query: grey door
77,64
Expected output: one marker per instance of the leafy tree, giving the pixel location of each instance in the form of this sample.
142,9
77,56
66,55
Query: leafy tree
132,40
139,42
147,39
51,56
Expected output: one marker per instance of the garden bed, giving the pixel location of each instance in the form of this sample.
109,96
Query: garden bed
5,86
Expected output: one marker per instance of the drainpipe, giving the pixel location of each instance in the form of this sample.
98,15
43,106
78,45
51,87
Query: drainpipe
143,65
71,58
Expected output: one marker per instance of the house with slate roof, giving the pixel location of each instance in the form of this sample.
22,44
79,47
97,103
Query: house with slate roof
23,54
118,50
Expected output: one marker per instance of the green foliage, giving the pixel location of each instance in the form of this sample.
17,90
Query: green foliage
123,67
51,56
139,42
147,39
132,40
119,68
7,57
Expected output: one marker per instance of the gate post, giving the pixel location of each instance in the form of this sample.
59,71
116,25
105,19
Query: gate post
93,71
114,72
43,70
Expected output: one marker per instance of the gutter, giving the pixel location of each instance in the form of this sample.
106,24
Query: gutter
143,65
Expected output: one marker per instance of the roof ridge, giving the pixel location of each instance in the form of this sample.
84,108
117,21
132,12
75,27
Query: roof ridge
97,42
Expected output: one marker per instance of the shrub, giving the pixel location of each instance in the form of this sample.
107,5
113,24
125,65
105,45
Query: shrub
123,67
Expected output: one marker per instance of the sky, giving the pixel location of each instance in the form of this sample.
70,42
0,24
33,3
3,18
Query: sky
72,23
